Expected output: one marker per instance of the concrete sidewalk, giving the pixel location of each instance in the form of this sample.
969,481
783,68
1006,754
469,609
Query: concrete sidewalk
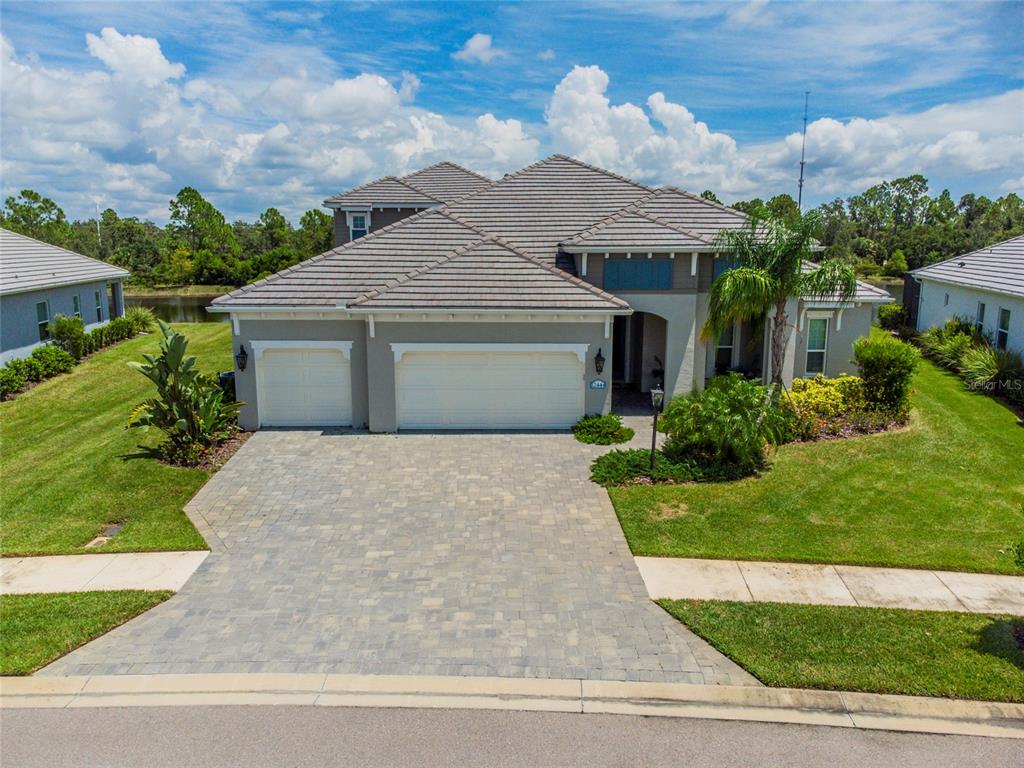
681,578
84,573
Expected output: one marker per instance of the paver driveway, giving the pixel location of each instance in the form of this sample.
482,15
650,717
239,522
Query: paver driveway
464,554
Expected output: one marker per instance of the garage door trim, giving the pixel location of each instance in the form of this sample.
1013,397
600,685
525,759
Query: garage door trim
580,350
259,347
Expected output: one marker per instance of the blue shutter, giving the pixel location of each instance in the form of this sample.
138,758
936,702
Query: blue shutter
638,274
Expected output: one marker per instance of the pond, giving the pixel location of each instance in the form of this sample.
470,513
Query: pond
173,308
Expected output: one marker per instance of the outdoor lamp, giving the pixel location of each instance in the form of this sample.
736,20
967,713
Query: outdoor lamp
242,357
657,399
599,361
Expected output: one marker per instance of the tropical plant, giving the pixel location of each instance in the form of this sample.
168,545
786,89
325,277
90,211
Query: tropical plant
142,319
189,407
886,367
622,467
68,333
725,429
602,430
773,266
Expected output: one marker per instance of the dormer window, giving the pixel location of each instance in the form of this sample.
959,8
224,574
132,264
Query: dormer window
358,224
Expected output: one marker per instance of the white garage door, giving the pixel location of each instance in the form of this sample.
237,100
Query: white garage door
489,390
304,387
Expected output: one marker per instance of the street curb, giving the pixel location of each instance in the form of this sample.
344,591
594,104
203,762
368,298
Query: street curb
773,705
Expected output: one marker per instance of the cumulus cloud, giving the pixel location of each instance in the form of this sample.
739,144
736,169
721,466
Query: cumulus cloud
479,49
666,144
133,57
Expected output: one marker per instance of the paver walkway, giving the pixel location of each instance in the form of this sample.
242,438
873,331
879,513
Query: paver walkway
82,573
680,578
423,554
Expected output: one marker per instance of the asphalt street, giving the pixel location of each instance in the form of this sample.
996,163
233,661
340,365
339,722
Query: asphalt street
307,736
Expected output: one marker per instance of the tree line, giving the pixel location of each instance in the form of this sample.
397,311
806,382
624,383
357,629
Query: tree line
197,246
887,229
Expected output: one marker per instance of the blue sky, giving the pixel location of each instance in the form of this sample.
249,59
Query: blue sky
286,103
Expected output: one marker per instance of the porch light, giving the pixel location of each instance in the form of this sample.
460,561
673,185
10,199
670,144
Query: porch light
657,400
242,357
599,361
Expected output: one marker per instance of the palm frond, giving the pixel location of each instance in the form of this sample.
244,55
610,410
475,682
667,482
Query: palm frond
739,294
832,280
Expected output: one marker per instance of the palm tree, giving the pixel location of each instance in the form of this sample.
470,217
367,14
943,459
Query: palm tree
774,264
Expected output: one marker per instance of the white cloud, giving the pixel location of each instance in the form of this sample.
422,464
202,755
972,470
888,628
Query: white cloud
478,48
133,57
547,54
666,144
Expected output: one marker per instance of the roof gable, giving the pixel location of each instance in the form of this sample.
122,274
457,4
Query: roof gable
703,218
27,264
386,191
633,228
998,268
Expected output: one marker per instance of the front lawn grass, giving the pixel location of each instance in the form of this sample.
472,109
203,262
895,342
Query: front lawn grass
40,628
877,650
946,492
70,467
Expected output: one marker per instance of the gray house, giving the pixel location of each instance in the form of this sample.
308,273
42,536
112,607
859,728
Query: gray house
986,286
521,303
39,281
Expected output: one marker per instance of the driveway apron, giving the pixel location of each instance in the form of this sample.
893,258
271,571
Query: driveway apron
440,554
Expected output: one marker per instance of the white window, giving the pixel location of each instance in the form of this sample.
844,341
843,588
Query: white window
1003,329
99,307
817,340
43,320
358,224
724,350
979,317
76,305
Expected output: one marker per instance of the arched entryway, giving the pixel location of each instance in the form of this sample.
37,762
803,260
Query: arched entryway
638,360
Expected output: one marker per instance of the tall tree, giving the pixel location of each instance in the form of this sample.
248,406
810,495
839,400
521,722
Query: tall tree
770,270
36,216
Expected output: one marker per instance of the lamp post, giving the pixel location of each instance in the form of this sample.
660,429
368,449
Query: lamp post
657,401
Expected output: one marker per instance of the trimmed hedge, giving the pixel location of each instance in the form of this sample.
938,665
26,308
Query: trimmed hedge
624,467
602,430
886,367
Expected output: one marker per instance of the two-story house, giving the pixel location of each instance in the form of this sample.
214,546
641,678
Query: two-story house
526,302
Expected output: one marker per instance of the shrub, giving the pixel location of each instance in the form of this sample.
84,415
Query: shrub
97,338
142,319
984,367
619,467
949,351
892,316
602,430
726,428
68,333
895,265
27,367
189,407
10,381
119,329
823,405
886,367
53,360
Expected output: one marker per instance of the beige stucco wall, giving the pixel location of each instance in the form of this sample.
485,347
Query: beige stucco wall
856,322
381,360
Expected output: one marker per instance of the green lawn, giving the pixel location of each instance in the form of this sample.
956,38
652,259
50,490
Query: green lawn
40,628
946,492
922,653
69,466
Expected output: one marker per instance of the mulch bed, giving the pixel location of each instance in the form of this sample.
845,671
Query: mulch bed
219,454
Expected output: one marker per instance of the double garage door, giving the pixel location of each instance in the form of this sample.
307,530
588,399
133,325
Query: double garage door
463,387
488,389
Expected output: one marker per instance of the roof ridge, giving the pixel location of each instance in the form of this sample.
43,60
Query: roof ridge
389,177
676,227
332,252
421,270
609,219
453,164
66,250
414,188
599,169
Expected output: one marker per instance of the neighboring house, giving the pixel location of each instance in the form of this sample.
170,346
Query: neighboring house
382,202
985,286
39,281
518,305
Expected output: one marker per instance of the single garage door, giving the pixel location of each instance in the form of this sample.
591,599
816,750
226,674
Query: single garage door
489,390
304,387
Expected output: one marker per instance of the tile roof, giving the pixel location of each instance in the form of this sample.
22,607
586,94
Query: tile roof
865,292
998,268
387,191
447,181
27,264
489,274
701,217
633,227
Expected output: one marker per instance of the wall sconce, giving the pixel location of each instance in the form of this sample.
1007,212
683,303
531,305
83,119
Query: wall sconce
599,362
242,357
